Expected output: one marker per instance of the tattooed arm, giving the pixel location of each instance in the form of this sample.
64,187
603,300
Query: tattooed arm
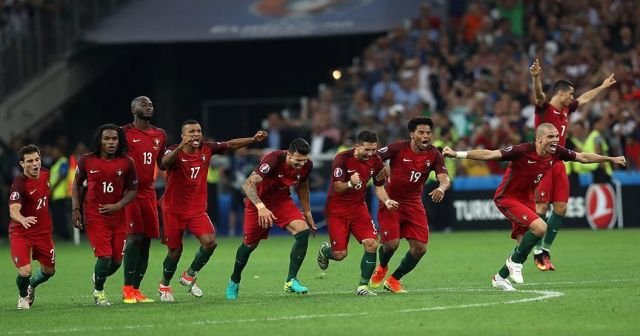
265,216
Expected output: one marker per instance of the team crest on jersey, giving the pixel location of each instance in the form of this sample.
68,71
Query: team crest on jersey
157,142
203,157
119,172
14,196
551,163
264,168
428,163
298,177
525,218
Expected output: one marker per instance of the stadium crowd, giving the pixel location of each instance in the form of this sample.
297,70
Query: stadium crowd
468,71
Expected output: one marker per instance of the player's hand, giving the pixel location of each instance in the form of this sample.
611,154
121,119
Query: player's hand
608,81
383,173
266,218
448,152
535,68
437,195
391,204
76,219
27,222
260,135
310,222
619,160
185,141
107,209
355,179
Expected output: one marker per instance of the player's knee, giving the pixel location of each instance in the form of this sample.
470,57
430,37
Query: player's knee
175,253
392,245
209,245
339,255
560,208
24,271
418,251
370,245
134,239
542,208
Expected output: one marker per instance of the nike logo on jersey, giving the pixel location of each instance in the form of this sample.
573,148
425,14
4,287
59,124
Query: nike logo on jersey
184,160
351,171
136,140
280,175
529,161
93,171
32,191
406,160
556,112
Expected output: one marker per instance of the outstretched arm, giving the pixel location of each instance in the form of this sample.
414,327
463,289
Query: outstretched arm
242,142
589,95
538,94
474,154
596,158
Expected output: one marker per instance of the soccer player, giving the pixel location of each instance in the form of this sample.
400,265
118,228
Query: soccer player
269,202
554,187
146,147
30,225
184,203
346,210
411,162
529,163
112,183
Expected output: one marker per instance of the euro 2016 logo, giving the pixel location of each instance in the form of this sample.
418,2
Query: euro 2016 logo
601,206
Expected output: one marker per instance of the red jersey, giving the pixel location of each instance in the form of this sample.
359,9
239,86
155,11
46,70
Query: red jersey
107,181
549,114
186,190
33,195
146,148
526,169
346,164
410,170
278,177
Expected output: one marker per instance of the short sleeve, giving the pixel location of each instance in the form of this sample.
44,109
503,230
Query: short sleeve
268,164
391,150
217,147
573,105
339,168
565,154
16,195
438,165
541,109
131,179
379,166
512,153
308,169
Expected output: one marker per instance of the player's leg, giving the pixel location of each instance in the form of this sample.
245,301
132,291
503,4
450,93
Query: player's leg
559,197
21,256
133,214
365,232
389,222
44,252
253,233
151,231
100,239
300,231
338,228
202,228
172,238
527,229
415,228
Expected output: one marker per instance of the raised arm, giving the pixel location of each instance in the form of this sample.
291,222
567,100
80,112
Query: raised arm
242,142
538,94
170,158
589,95
474,154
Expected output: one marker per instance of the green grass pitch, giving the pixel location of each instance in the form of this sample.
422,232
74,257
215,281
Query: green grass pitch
594,291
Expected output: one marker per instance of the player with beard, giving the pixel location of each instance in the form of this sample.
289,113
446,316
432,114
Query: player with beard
112,183
411,162
184,203
514,196
146,147
269,202
346,210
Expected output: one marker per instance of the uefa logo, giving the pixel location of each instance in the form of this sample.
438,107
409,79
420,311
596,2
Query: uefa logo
601,206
